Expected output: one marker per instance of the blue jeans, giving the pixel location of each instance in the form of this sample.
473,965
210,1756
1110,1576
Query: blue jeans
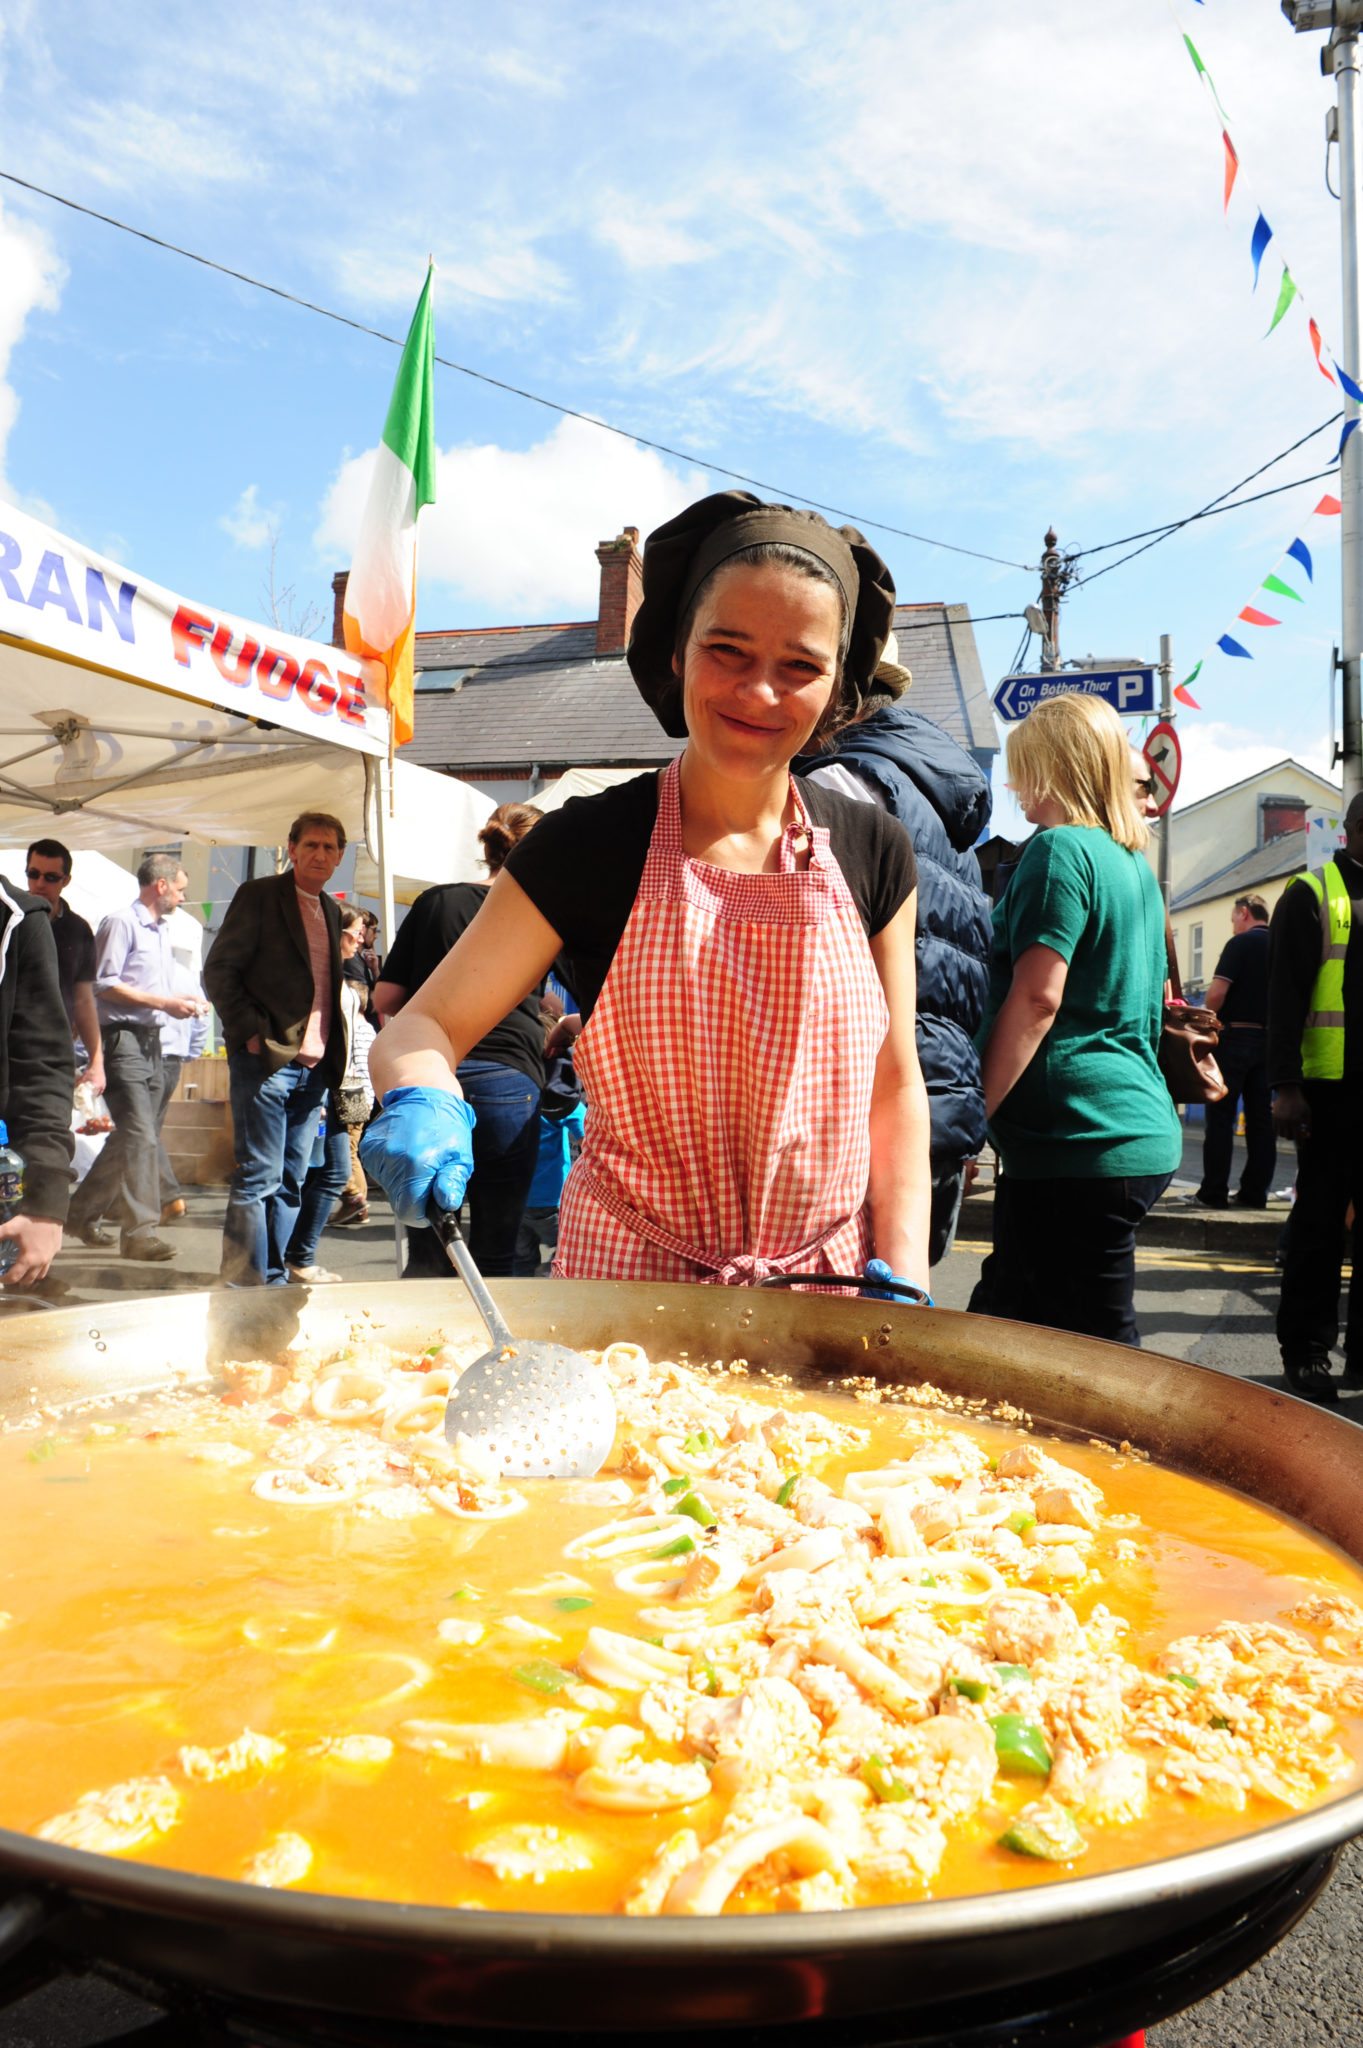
274,1117
506,1103
328,1172
1065,1253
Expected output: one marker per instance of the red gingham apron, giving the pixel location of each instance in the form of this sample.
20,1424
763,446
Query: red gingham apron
728,1068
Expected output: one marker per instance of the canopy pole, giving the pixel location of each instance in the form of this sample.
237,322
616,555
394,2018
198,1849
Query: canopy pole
382,813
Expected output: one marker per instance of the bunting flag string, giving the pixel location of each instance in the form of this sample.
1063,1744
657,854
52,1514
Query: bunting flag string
1253,614
1262,233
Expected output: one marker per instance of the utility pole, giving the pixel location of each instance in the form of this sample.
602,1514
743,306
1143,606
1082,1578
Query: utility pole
1340,59
1053,581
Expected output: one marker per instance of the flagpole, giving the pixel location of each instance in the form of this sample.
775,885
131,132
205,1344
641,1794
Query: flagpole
383,816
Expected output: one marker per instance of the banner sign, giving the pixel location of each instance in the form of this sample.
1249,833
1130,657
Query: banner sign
1129,691
57,595
1324,837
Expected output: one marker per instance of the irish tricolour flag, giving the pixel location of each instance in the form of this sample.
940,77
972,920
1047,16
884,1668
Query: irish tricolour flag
380,597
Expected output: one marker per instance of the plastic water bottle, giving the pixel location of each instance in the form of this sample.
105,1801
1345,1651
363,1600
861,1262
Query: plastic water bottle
11,1194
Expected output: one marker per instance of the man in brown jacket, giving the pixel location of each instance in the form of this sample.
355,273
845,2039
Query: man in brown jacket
274,975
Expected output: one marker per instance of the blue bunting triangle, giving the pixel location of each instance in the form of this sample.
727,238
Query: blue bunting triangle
1229,646
1301,553
1259,241
1355,391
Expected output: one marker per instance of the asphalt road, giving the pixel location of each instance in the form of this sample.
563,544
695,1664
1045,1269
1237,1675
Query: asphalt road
1214,1309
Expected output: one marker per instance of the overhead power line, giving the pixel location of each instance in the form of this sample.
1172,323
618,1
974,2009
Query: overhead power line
499,384
1212,511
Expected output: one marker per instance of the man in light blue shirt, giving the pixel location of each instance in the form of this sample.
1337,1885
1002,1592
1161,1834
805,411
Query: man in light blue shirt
134,993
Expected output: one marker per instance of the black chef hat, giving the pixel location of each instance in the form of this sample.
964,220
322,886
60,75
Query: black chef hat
681,554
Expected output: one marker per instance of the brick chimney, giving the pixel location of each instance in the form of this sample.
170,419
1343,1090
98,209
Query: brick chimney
622,589
338,588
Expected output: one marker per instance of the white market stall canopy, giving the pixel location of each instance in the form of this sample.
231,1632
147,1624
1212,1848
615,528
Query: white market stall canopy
130,716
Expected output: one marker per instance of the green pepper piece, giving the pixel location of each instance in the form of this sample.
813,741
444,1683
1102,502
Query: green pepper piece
876,1773
1011,1674
1020,1746
1218,1721
698,1443
542,1676
675,1485
681,1548
1046,1829
698,1509
1182,1678
40,1453
788,1487
1021,1522
571,1602
709,1676
970,1688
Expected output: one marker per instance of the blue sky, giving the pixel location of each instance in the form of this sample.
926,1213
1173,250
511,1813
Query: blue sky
958,266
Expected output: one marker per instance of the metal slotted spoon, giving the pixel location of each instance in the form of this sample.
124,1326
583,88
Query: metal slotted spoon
541,1409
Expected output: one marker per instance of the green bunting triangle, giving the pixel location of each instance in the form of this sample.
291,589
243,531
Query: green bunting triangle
1203,72
1281,589
1287,291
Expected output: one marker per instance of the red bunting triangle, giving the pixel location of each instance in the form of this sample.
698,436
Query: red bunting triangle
1316,345
1328,506
1185,696
1232,166
1252,617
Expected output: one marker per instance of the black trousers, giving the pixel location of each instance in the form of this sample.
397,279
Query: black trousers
1329,1177
1065,1253
1242,1056
125,1181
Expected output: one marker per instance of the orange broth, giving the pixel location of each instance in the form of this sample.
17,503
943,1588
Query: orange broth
155,1602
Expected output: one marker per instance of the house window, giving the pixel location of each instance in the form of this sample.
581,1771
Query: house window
1195,955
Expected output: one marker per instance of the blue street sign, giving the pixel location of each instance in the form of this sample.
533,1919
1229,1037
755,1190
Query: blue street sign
1131,691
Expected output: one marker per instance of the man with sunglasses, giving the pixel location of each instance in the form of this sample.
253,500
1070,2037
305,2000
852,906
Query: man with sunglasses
47,872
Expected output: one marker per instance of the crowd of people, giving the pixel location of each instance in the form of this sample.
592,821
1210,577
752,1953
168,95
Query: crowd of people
771,978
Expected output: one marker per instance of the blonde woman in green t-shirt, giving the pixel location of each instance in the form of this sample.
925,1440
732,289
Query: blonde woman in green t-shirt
1079,1114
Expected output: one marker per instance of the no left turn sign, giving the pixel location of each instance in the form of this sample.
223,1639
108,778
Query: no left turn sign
1165,757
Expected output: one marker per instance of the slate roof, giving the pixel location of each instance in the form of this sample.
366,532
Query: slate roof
1285,855
500,700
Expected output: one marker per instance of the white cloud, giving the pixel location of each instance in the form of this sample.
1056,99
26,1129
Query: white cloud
31,279
645,240
251,524
1216,754
514,531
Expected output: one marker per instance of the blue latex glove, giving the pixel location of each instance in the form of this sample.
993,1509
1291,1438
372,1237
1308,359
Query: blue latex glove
419,1150
876,1269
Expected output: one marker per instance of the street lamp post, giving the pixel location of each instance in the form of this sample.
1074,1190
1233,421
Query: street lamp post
1340,58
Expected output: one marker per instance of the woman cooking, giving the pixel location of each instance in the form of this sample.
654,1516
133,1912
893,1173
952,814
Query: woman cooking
741,946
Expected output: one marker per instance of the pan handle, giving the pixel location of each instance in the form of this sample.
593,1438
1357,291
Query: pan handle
445,1224
22,1919
904,1290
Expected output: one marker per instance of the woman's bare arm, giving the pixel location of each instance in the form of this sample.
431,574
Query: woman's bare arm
496,962
901,1172
1027,1013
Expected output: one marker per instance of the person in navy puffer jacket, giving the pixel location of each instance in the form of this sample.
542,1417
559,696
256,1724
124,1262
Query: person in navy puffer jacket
899,759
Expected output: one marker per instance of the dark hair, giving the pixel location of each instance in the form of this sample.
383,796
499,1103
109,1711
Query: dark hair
322,821
51,849
159,867
507,824
844,703
351,915
1256,907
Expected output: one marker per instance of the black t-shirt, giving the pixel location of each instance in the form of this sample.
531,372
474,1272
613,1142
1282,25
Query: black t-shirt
1244,964
75,957
437,918
582,865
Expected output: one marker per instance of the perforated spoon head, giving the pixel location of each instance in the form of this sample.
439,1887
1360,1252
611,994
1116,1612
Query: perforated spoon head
541,1410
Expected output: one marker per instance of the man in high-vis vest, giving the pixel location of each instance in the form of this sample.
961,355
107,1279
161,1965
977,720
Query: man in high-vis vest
1315,1068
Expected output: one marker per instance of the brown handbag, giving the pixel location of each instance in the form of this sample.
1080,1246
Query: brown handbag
1187,1041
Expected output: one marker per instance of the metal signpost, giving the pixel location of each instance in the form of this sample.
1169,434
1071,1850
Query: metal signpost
1130,691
